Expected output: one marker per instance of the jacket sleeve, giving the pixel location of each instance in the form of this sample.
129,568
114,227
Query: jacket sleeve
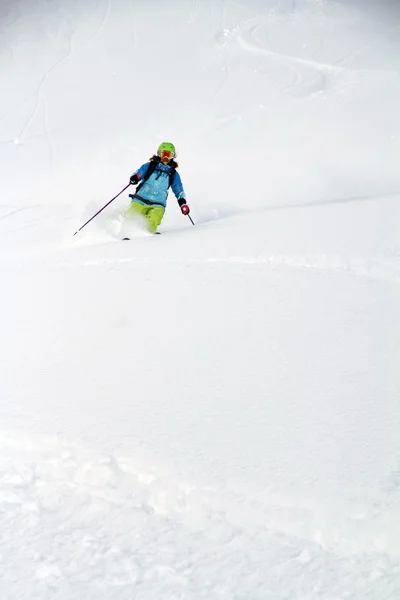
177,188
141,172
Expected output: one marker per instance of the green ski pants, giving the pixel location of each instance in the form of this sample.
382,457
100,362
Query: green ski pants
152,213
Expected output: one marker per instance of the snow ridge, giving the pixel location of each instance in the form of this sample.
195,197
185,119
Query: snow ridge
130,527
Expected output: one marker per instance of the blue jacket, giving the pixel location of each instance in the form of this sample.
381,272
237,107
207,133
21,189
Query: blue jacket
155,189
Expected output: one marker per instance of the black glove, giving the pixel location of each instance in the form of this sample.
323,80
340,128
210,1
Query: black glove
183,206
134,179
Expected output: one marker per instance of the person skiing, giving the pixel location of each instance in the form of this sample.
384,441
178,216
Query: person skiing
153,180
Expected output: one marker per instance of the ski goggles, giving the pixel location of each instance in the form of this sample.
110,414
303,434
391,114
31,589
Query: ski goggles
166,155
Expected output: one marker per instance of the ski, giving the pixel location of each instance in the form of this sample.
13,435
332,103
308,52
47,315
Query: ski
128,239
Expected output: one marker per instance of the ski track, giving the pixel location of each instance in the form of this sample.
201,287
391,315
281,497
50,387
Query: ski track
308,76
386,270
40,100
300,85
16,211
127,526
37,96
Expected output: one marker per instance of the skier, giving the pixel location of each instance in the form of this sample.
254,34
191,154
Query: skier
153,180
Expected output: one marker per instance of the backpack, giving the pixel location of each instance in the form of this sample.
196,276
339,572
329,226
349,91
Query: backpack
152,167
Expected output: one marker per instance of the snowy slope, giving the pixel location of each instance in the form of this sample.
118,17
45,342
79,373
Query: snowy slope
213,412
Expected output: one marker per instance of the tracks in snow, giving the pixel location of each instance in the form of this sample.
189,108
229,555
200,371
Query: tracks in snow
80,521
387,270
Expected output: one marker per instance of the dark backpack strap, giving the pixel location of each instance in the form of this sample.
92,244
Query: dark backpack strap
171,176
152,167
150,171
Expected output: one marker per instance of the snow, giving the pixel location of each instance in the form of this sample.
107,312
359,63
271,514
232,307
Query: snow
212,412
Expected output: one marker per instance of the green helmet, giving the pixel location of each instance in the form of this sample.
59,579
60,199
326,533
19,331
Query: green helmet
166,150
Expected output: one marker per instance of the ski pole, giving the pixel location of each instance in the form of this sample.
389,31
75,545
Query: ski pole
191,219
99,211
